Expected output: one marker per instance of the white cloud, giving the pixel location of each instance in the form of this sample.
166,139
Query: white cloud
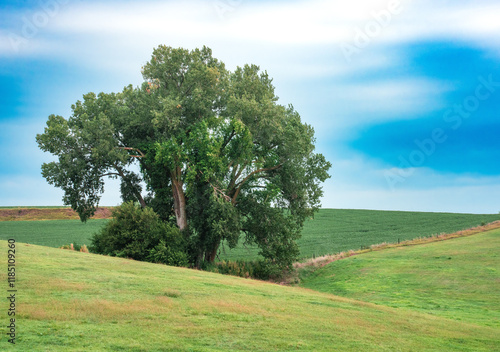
135,28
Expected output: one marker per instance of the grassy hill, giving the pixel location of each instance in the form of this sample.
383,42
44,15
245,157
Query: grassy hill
456,279
331,231
71,301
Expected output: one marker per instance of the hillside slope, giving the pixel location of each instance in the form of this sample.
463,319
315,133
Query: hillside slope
458,279
71,301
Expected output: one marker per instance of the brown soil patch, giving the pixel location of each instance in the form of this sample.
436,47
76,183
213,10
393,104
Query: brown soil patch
23,214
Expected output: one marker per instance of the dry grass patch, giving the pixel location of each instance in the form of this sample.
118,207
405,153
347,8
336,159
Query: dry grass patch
59,285
234,307
101,310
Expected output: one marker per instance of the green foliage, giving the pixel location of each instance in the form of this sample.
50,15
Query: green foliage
138,233
87,151
130,186
164,253
213,220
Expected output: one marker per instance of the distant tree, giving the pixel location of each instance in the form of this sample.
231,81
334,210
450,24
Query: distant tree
218,154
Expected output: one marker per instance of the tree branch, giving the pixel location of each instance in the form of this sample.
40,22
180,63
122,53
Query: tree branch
233,179
110,174
134,149
240,184
221,192
226,142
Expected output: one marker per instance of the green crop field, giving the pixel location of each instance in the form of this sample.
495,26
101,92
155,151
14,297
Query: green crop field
336,230
72,301
51,233
457,279
331,230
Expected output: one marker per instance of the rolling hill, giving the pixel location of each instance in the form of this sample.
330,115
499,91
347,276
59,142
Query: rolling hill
72,301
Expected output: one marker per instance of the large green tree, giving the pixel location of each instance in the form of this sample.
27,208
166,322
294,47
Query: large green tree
218,154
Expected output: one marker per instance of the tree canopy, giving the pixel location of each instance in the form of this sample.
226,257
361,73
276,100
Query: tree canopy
219,156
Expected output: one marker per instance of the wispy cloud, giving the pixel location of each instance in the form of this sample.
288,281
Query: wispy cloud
301,23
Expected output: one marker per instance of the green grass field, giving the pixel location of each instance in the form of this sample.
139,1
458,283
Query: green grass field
51,233
331,231
458,279
72,301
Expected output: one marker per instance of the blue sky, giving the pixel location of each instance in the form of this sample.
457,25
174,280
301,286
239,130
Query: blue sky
404,95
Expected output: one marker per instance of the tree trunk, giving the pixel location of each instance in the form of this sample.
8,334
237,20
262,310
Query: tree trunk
141,200
212,253
179,203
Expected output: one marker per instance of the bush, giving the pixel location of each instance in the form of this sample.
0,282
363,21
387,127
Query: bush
257,269
75,247
140,234
163,253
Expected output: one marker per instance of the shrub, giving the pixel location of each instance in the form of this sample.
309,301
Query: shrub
75,247
163,253
257,269
140,234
